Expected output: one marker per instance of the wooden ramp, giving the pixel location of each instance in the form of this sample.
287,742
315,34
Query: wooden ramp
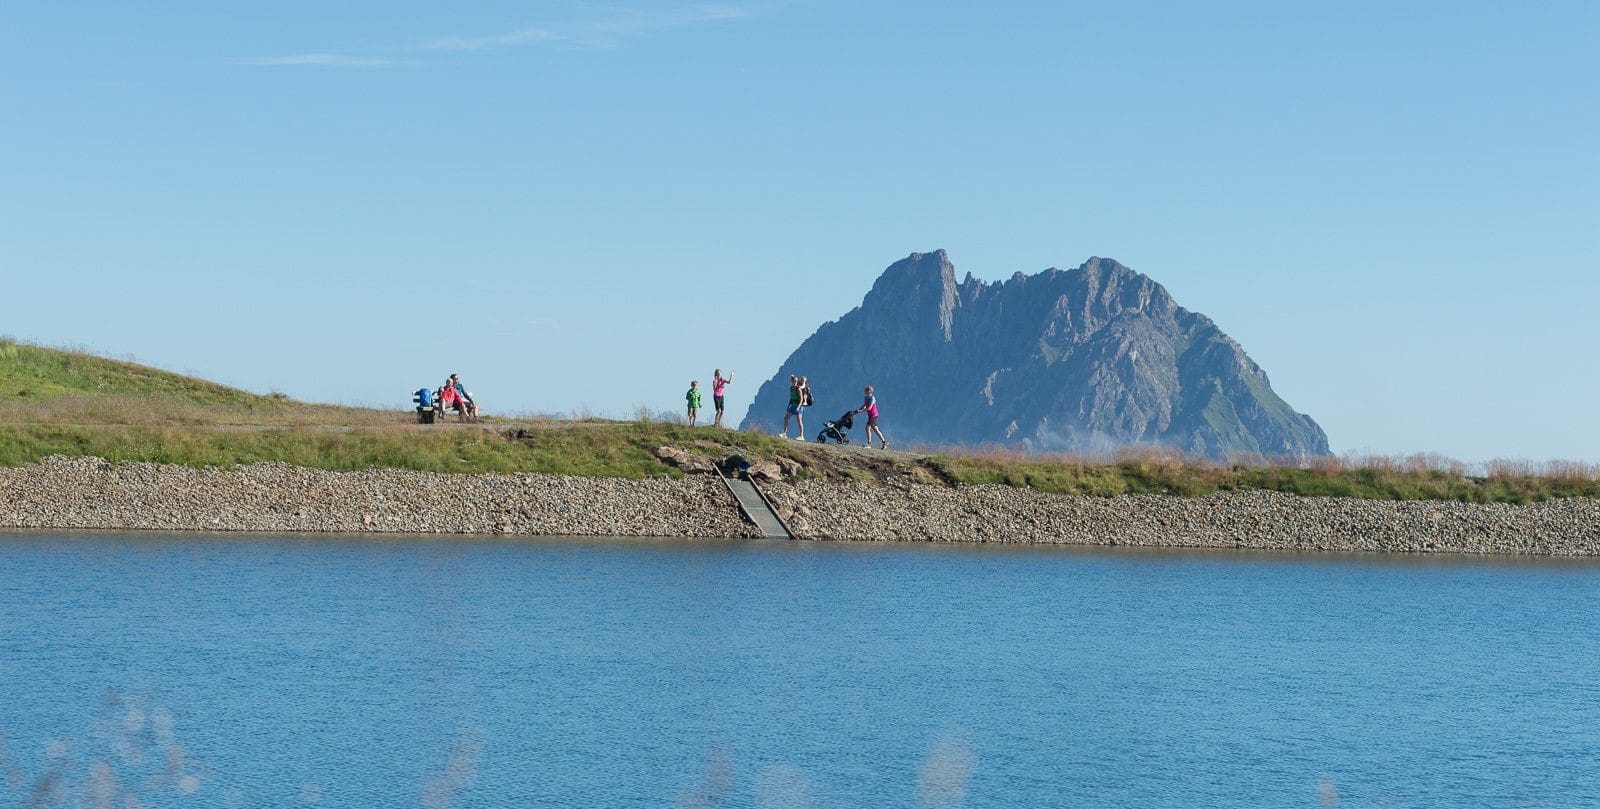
756,508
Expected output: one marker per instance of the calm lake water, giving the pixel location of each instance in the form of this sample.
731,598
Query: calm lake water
287,671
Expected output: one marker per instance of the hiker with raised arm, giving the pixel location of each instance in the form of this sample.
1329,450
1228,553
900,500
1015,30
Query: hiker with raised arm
719,384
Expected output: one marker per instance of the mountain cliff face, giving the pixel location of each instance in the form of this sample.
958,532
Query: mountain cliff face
1082,360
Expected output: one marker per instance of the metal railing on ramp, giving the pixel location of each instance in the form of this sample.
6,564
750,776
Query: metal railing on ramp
755,507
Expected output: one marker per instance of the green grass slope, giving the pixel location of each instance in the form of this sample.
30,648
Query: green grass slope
41,385
34,372
58,402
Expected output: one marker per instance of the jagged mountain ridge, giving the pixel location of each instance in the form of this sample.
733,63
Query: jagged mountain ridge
1082,360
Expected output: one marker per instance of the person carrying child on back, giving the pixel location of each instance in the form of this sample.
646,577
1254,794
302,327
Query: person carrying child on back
869,405
797,406
693,397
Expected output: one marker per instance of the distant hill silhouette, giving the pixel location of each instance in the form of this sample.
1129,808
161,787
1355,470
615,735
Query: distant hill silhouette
1082,360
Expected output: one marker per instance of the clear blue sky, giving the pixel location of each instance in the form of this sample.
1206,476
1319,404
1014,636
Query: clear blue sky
1394,207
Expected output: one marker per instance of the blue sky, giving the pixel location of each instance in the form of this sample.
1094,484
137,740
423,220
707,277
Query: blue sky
1394,207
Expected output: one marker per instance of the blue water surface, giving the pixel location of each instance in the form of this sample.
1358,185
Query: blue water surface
342,671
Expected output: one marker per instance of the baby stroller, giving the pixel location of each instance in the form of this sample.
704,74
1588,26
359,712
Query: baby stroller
835,430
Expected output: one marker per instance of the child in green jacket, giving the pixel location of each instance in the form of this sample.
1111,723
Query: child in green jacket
693,396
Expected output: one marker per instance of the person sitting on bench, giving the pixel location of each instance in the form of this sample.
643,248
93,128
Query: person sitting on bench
470,407
451,399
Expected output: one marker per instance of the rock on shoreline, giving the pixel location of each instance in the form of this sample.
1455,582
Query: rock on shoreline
70,493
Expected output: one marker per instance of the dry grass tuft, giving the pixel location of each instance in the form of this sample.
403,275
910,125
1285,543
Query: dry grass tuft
1420,476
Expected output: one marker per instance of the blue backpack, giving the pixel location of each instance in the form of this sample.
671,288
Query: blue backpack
423,398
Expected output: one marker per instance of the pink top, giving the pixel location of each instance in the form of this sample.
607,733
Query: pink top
871,406
718,385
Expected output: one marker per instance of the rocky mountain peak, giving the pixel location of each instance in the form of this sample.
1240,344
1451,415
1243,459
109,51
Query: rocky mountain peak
1084,360
919,285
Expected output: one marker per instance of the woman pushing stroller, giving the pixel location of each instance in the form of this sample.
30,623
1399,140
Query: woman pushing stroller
837,430
869,406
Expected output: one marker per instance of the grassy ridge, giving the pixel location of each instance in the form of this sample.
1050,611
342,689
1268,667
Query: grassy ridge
610,449
56,402
51,386
33,372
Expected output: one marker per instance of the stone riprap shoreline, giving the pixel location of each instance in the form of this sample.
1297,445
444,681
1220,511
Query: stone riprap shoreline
274,497
1261,520
86,493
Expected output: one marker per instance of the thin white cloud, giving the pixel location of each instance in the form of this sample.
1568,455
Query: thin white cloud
605,32
521,36
322,60
633,21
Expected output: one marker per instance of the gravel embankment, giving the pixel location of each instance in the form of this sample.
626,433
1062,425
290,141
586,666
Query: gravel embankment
1258,519
89,493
